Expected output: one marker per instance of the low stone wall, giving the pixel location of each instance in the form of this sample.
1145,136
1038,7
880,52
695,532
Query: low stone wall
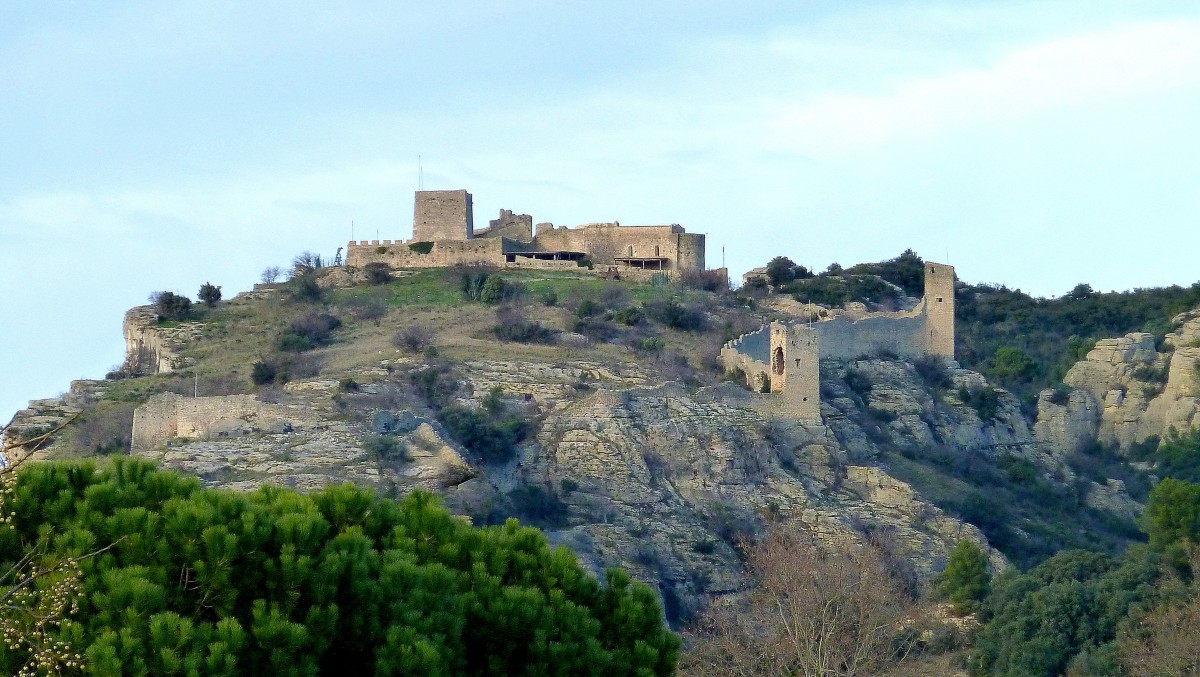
399,254
169,415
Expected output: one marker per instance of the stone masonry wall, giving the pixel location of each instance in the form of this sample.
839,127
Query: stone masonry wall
795,349
513,226
155,422
442,215
604,242
169,415
397,254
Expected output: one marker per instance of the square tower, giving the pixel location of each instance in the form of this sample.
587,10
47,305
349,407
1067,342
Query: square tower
796,370
442,215
939,309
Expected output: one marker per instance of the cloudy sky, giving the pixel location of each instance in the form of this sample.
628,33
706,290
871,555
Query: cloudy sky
148,145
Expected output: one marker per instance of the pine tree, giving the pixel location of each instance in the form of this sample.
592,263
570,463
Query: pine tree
965,581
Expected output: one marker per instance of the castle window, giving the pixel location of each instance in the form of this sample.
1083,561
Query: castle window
939,299
656,250
797,363
777,362
631,250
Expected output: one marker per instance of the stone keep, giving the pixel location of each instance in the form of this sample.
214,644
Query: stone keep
443,215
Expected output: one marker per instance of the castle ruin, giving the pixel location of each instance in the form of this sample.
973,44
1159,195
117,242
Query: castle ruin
787,355
444,235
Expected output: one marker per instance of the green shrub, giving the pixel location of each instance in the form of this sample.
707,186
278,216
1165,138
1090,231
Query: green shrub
965,580
933,371
650,344
983,399
378,273
633,316
857,381
263,372
881,415
538,506
1173,512
303,287
676,315
420,247
307,331
171,306
272,582
511,325
385,448
491,440
1150,373
1060,395
209,294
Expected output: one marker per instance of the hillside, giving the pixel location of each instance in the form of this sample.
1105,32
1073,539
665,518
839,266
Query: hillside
608,423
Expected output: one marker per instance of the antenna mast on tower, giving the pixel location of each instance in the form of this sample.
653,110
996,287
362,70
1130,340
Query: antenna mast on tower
420,174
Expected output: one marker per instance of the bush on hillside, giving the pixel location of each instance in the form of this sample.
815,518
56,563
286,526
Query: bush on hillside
511,325
308,331
378,273
209,294
171,306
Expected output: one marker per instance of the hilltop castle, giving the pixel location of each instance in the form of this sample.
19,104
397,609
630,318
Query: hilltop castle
444,234
787,355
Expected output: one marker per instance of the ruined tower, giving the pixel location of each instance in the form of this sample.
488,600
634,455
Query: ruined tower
939,309
440,215
795,370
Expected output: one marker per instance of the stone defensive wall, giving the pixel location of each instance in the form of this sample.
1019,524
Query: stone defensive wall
789,354
442,253
169,415
749,352
607,242
846,338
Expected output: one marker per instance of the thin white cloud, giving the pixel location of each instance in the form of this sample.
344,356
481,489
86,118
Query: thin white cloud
1088,70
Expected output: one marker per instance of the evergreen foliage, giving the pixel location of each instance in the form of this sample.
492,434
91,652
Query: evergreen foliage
378,273
965,580
1178,456
209,294
1053,334
1063,614
171,306
1173,513
206,582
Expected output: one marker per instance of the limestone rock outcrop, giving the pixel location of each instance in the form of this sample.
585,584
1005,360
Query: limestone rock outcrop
154,349
1126,391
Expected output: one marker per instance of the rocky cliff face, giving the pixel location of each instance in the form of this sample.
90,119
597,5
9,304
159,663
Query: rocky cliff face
660,479
1126,390
154,349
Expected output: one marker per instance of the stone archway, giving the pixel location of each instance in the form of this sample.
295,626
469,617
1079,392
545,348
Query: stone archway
777,362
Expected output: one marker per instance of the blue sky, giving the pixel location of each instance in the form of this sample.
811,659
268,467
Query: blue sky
148,146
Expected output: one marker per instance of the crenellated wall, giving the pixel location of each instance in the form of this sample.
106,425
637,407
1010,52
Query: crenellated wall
790,354
399,254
